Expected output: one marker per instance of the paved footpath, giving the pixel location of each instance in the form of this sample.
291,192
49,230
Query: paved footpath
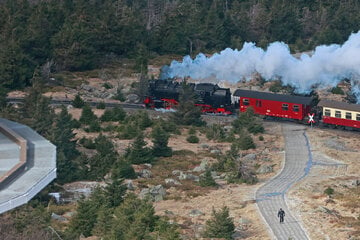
271,196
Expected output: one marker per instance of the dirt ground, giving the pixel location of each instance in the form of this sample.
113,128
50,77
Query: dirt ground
239,198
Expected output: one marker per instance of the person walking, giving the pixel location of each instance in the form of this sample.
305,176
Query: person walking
281,215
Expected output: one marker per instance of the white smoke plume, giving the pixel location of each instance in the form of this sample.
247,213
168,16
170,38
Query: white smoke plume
328,65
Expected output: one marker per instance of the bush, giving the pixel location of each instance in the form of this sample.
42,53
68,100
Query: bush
245,142
337,90
192,139
215,132
255,128
261,138
329,191
192,131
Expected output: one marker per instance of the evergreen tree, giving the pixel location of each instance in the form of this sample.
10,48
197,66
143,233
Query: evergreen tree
62,137
102,162
134,219
160,142
123,169
86,214
221,225
207,180
78,101
87,115
137,153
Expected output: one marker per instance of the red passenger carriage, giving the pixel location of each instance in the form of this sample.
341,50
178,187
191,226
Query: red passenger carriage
275,105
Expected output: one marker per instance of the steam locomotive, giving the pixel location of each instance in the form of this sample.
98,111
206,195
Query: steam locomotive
164,94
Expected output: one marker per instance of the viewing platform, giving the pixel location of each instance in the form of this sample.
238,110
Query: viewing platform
27,164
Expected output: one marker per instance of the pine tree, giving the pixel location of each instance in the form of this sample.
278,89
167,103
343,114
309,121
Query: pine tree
123,169
133,219
160,142
138,153
207,180
62,137
220,225
87,115
78,102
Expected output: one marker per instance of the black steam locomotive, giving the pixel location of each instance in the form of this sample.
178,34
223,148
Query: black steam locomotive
165,94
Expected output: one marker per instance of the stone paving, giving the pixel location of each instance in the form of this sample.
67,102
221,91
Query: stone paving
272,195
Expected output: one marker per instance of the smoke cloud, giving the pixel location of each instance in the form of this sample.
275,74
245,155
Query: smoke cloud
327,66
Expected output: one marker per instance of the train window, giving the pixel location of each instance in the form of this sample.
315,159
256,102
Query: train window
327,112
285,107
348,115
296,108
246,102
337,114
358,117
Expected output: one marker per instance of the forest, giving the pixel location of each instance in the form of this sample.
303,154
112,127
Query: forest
68,35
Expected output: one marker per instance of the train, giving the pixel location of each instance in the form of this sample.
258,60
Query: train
213,99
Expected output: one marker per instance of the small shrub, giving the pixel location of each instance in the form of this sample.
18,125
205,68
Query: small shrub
329,191
337,90
255,128
192,131
192,139
245,142
261,138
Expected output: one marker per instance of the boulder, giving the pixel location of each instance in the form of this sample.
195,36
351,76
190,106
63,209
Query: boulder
355,183
195,213
203,165
188,176
176,172
132,98
156,193
215,151
265,169
144,193
58,217
148,165
250,157
171,181
130,185
145,173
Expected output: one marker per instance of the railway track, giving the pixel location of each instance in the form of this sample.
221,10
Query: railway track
60,102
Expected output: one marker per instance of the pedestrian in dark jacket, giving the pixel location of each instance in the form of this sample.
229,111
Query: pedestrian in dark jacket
281,215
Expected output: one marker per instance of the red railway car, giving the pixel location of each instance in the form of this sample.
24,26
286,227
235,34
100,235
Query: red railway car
275,105
340,113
